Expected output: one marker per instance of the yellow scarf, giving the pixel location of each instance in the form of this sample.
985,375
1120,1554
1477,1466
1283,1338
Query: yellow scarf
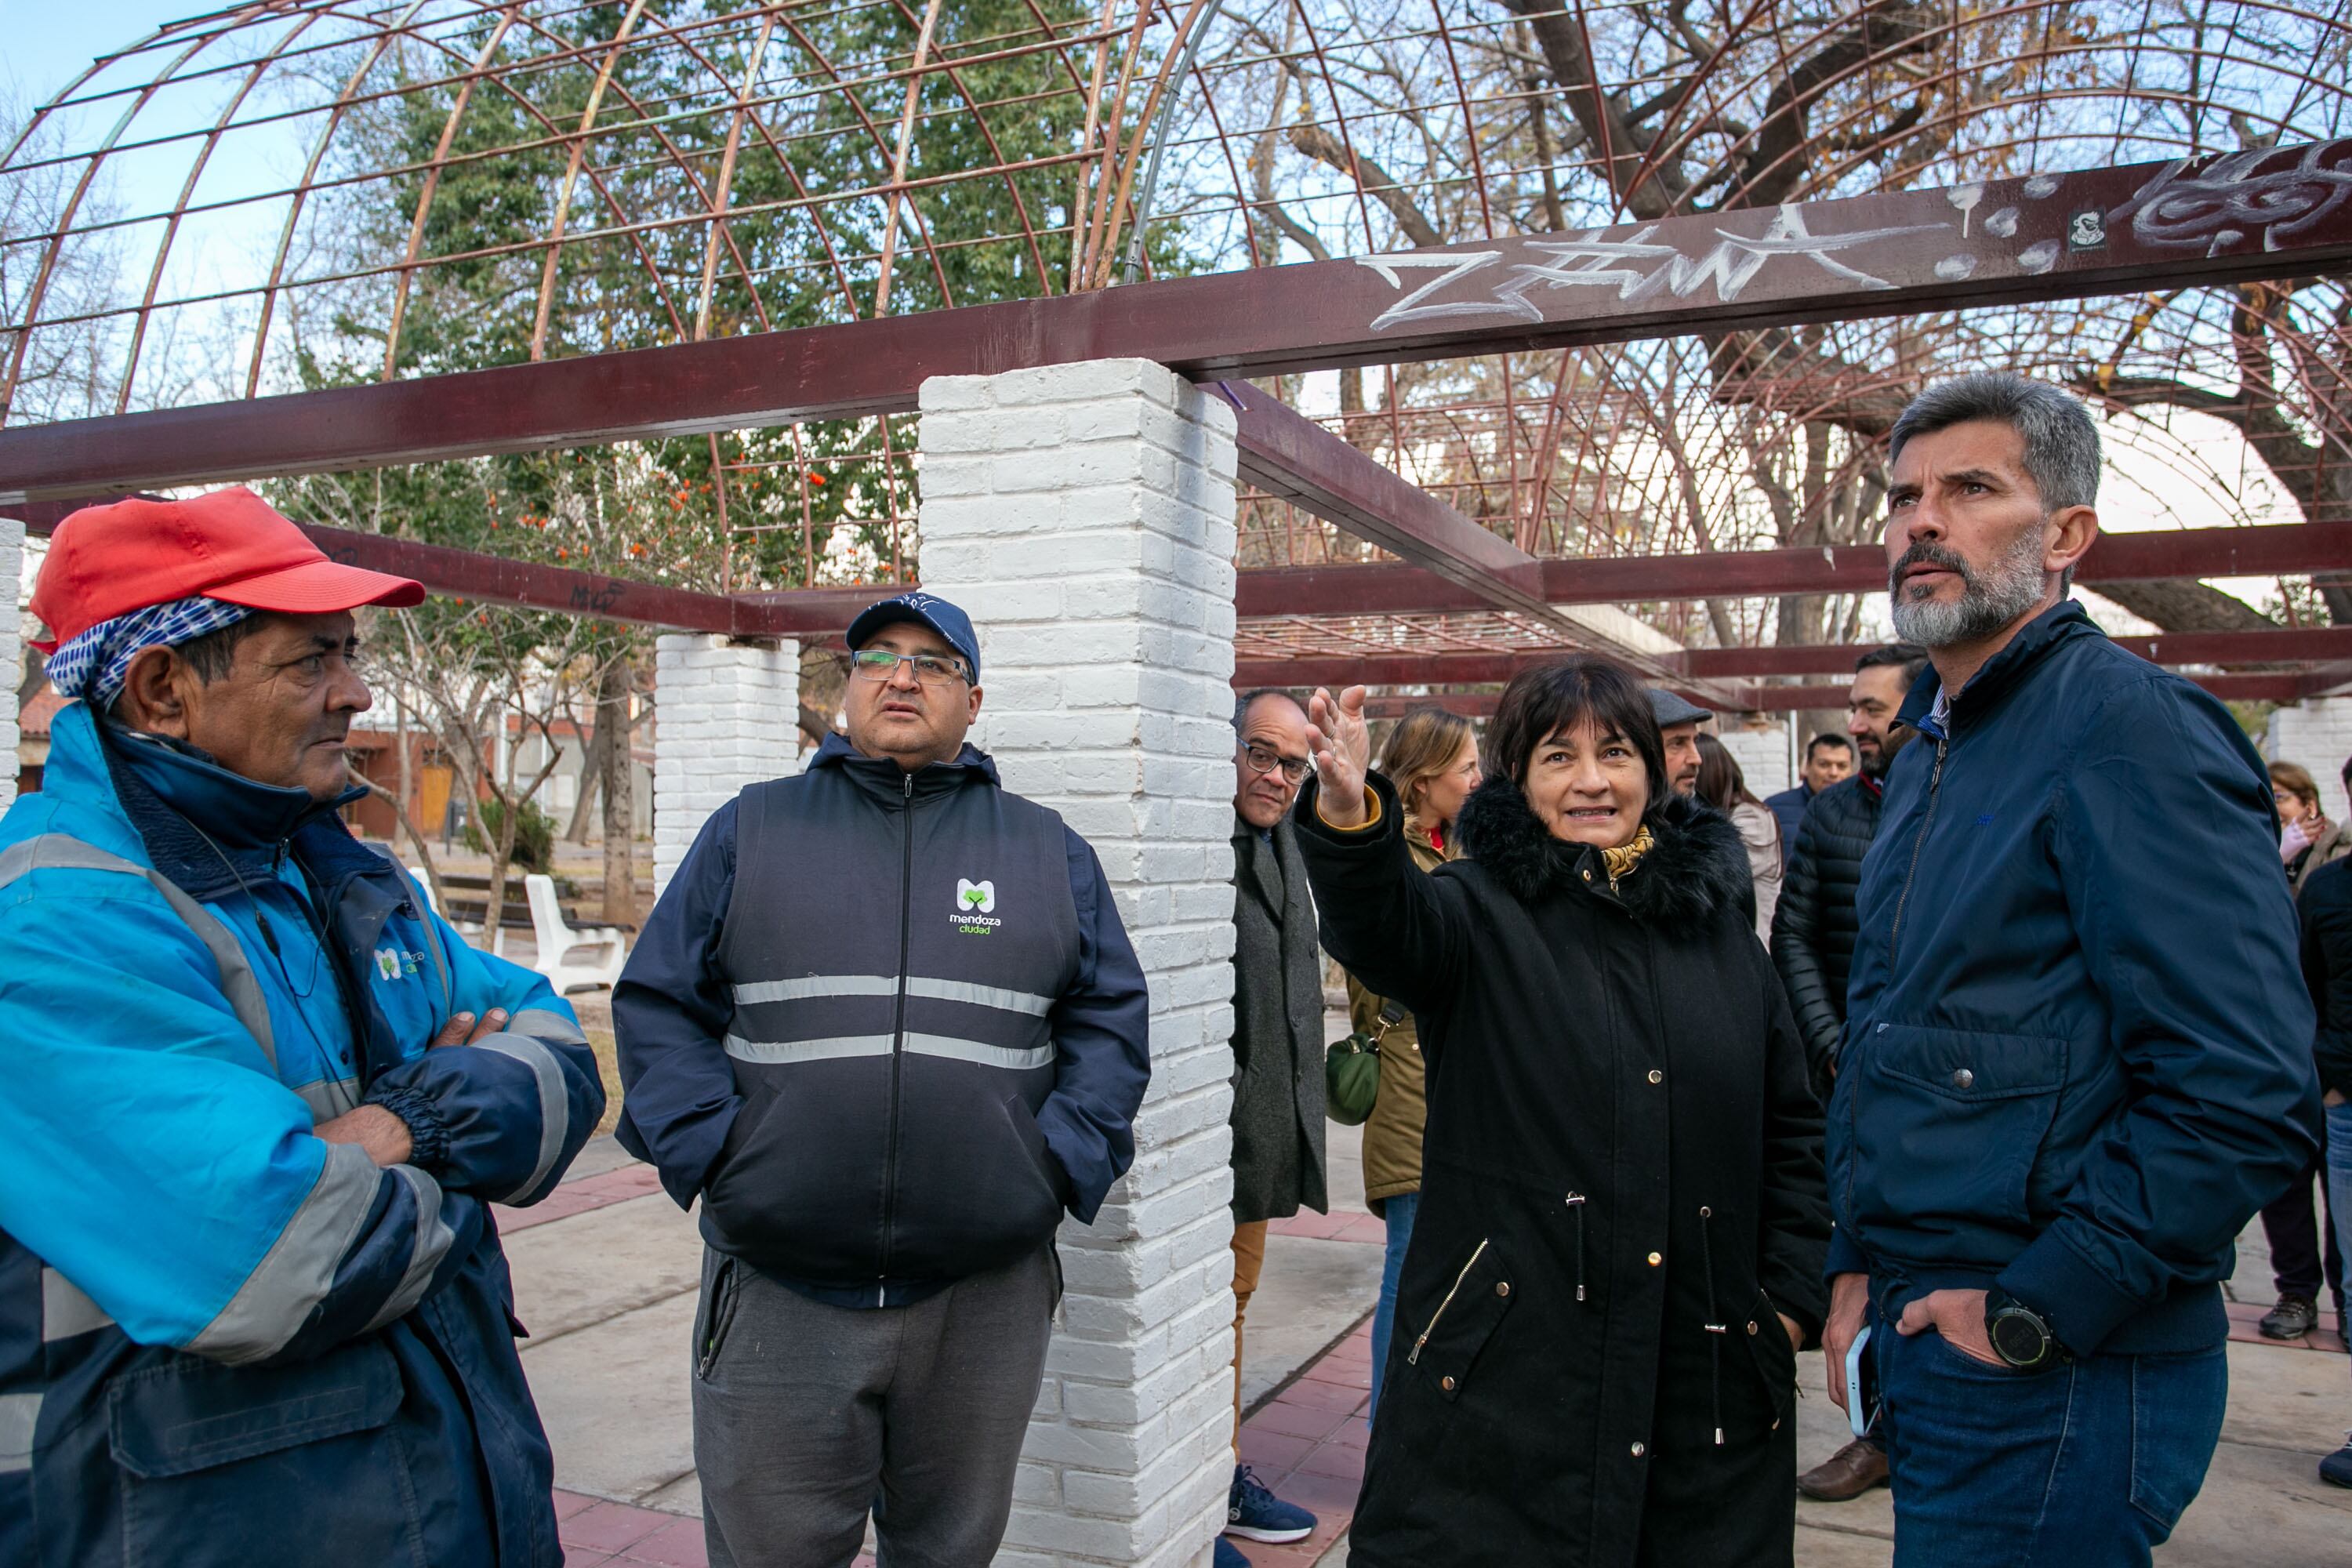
1625,857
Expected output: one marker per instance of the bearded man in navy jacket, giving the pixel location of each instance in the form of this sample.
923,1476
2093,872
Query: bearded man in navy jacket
2078,1053
886,1024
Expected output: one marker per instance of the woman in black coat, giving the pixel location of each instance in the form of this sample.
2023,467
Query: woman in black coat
1622,1224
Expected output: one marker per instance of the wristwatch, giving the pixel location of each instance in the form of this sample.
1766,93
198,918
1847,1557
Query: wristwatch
2020,1335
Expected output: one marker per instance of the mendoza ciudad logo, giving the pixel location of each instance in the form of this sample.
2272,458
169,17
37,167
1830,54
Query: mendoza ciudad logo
974,903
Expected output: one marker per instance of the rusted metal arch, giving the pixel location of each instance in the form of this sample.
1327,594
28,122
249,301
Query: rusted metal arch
1798,263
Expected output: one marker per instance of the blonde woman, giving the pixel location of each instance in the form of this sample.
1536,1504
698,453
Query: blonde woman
1432,757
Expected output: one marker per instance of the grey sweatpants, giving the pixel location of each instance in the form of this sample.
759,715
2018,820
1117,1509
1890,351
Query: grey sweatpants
808,1416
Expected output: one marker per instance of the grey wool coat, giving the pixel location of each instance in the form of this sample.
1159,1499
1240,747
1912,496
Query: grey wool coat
1277,1031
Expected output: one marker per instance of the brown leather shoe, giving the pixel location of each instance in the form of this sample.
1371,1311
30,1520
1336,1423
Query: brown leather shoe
1847,1474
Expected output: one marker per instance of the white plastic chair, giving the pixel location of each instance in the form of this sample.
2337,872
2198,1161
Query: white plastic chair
557,941
467,929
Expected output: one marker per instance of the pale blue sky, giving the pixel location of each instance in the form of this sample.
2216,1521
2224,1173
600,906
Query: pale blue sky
48,43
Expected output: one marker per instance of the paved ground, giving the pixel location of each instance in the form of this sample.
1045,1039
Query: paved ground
604,1276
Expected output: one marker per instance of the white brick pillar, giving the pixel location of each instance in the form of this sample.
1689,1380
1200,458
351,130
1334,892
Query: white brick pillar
2317,733
1082,514
12,651
726,714
1763,752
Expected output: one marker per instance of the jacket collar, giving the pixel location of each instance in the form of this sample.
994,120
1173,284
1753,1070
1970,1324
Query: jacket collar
1264,859
885,780
1696,868
196,819
2060,622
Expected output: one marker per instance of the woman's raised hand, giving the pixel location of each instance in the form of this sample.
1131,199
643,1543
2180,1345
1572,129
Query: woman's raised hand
1342,746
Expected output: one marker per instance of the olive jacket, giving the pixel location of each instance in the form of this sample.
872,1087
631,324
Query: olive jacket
1393,1131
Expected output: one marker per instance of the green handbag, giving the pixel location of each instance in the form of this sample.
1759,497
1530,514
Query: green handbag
1351,1070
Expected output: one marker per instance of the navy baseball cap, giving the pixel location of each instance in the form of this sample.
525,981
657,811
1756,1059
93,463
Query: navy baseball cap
1665,707
925,610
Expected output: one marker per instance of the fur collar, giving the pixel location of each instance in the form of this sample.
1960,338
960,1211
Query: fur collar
1697,867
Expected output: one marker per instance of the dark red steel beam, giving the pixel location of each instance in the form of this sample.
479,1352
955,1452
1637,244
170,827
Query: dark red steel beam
2264,213
464,574
1788,698
2296,646
2302,646
1289,456
814,614
2266,552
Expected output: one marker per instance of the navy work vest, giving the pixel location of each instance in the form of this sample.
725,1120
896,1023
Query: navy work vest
895,943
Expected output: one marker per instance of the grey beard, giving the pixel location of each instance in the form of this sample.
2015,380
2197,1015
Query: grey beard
1986,603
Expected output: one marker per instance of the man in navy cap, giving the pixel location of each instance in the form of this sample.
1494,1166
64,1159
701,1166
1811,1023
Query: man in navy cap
886,1024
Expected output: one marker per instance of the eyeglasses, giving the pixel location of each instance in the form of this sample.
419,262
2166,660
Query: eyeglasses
882,664
1265,759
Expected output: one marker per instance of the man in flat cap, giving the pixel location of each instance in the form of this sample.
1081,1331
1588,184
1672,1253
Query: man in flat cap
1678,721
886,1024
253,1309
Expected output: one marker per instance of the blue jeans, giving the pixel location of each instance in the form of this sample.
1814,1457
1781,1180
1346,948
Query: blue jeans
2086,1465
1397,1214
2337,1170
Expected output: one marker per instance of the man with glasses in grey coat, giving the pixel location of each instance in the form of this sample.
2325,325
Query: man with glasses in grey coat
886,1024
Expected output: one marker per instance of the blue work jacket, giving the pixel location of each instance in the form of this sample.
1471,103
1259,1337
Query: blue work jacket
2078,1046
224,1339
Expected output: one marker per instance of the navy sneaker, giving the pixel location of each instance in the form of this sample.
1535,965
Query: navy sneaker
1254,1514
1229,1555
2337,1468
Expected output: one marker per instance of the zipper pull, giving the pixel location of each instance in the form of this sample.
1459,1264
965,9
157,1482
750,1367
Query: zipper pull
1576,1202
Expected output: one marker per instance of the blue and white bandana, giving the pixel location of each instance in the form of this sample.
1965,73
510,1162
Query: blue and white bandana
94,665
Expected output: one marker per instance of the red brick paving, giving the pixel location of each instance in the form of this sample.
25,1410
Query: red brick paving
1308,1445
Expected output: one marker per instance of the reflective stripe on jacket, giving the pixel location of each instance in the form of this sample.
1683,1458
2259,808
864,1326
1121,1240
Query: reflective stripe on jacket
223,1339
887,1025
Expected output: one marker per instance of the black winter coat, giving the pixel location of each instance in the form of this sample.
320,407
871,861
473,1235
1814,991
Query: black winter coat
2326,907
1622,1184
1813,926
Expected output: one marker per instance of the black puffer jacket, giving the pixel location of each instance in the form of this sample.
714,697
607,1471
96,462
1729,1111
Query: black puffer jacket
1813,926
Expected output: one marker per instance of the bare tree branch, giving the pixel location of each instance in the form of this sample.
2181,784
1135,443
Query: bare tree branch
1325,148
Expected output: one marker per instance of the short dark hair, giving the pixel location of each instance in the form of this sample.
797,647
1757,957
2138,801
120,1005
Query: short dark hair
2061,439
1842,742
1910,656
1249,699
1585,688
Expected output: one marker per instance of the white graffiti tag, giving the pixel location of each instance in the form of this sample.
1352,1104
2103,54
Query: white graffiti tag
1639,267
2279,194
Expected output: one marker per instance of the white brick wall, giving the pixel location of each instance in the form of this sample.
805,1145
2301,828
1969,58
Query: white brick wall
1082,514
1763,755
2317,734
728,715
12,651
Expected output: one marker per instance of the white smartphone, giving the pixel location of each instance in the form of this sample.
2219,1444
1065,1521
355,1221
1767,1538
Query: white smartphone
1861,1385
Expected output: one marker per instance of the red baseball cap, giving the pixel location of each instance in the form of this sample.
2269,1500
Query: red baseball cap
108,561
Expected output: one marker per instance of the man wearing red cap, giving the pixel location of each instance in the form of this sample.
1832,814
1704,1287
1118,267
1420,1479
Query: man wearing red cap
252,1308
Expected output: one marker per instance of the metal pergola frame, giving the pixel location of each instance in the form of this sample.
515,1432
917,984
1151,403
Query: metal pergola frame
2219,220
